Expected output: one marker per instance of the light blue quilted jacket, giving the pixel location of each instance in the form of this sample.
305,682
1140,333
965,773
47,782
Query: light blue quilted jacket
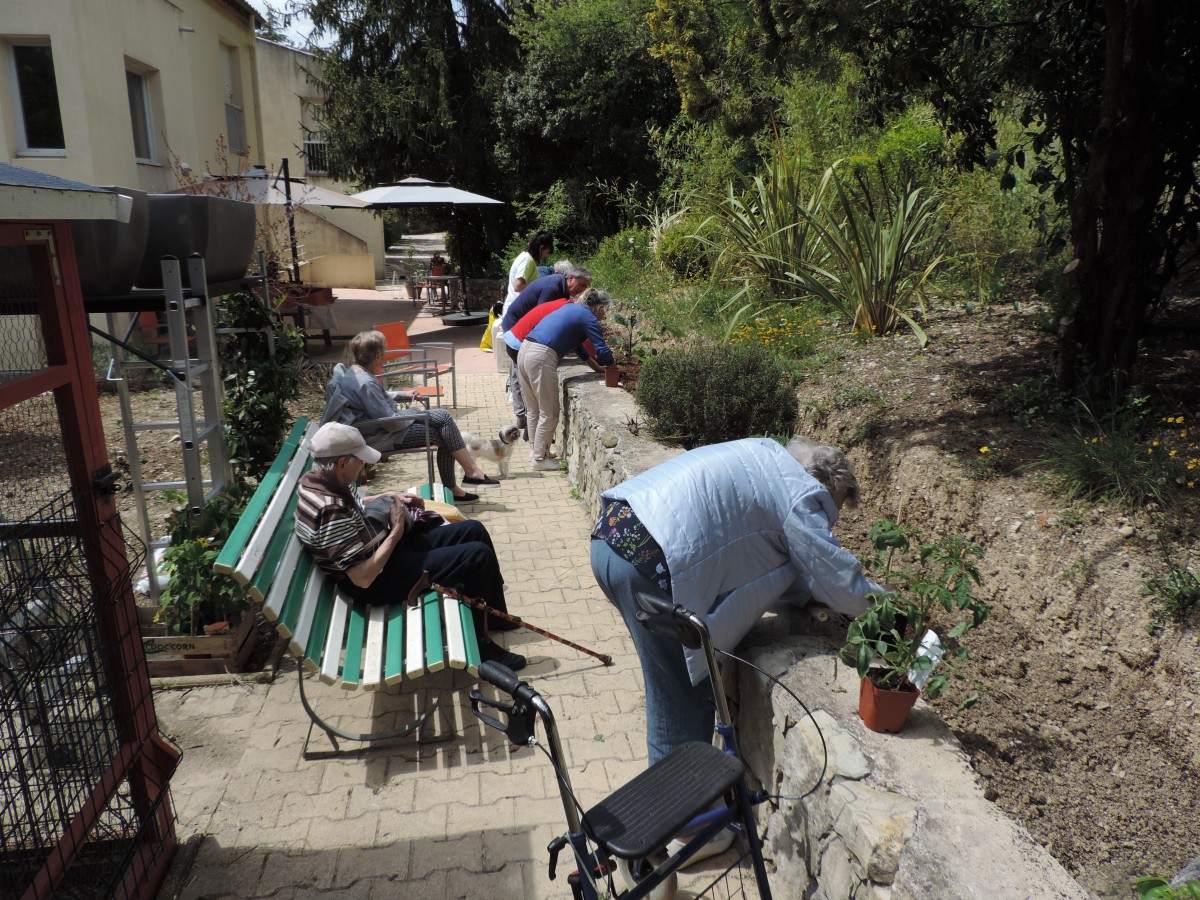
742,526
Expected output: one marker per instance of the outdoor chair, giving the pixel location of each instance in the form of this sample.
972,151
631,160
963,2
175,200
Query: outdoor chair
427,359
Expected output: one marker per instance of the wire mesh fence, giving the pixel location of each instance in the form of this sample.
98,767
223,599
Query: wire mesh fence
84,806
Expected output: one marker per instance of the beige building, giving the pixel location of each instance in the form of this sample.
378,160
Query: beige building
153,94
342,247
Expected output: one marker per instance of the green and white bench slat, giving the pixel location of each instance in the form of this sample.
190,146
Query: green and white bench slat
228,557
393,664
414,644
330,659
319,623
301,609
435,653
285,493
373,661
267,575
279,597
455,642
356,631
470,639
435,491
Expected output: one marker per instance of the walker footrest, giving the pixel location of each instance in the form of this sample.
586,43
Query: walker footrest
643,815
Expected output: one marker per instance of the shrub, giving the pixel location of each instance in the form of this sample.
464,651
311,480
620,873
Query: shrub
194,598
1174,596
882,256
682,252
913,149
260,364
708,393
1105,457
622,260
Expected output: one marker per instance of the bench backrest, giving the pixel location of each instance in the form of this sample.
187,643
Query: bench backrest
331,635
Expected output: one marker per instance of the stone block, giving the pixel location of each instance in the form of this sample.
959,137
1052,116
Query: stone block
875,825
838,875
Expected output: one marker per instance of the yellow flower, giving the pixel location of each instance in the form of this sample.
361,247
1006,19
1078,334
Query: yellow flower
983,449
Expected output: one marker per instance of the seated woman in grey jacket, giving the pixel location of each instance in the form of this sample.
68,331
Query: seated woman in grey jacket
364,404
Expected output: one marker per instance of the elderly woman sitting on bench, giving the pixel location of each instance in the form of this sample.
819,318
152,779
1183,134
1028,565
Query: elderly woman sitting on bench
355,397
379,563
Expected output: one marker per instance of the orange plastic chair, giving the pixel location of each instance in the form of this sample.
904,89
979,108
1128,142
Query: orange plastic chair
405,358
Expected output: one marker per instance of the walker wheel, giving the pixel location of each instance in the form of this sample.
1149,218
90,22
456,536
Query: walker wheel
634,871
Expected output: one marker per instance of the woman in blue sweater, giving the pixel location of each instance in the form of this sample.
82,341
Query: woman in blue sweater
560,333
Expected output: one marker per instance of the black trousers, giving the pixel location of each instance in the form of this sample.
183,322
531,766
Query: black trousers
458,555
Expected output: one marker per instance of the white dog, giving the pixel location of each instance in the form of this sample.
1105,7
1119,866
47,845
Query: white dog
499,448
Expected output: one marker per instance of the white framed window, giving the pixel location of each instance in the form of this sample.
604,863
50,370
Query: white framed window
235,117
35,100
141,115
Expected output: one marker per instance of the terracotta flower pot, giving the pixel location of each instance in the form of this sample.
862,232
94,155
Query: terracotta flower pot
612,376
883,710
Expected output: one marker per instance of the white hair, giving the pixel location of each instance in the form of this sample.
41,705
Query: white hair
828,465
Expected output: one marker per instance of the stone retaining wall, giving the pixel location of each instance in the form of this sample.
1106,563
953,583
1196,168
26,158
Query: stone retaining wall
893,816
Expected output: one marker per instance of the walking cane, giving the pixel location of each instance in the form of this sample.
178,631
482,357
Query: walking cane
517,620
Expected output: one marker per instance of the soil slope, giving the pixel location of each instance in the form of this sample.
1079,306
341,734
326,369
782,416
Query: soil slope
1088,732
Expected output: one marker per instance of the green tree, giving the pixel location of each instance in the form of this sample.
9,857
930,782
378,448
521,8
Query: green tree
580,108
407,88
271,25
1107,91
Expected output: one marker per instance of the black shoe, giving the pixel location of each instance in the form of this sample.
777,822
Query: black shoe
486,480
525,435
466,498
490,652
495,623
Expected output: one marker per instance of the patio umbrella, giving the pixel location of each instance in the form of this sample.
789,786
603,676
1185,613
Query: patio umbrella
414,192
260,187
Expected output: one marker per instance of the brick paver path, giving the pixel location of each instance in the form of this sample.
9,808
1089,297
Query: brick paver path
467,818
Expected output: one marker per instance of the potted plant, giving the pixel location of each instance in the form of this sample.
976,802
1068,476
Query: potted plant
891,645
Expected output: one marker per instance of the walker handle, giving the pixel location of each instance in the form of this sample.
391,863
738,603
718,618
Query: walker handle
500,675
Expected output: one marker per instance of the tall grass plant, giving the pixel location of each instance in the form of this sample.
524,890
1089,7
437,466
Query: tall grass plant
881,259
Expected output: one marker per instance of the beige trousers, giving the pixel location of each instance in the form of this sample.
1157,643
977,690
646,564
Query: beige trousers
537,370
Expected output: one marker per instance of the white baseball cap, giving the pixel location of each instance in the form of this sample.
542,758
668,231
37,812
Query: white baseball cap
335,439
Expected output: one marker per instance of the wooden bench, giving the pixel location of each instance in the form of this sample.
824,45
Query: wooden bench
332,637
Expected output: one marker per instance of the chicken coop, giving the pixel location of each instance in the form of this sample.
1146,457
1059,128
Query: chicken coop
85,808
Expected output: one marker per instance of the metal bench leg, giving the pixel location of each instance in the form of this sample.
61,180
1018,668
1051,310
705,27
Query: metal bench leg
333,732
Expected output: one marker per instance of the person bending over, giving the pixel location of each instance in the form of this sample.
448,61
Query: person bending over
563,331
725,530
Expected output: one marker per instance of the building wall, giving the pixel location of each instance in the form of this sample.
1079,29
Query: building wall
178,49
282,73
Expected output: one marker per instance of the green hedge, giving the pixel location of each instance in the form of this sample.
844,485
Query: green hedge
708,393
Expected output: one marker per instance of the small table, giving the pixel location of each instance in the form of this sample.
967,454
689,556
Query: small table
439,287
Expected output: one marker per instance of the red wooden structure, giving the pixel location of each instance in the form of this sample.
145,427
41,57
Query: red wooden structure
84,803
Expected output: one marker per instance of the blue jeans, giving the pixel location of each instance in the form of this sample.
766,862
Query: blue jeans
676,711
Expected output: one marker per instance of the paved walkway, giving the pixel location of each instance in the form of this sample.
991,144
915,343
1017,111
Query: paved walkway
466,818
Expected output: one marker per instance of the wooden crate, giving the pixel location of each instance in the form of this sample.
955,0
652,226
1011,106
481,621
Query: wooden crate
174,655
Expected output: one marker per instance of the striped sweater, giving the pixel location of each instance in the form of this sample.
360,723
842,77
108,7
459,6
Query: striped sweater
331,524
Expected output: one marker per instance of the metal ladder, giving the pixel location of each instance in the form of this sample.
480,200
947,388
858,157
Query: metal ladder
206,468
